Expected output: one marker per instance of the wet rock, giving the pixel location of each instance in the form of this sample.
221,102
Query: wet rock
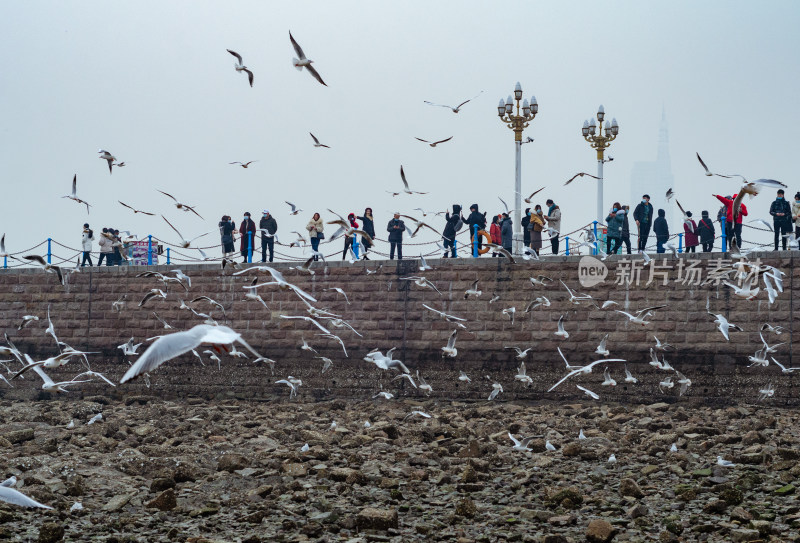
471,450
741,514
785,490
600,531
19,436
731,496
465,507
715,506
636,511
165,501
161,484
573,448
741,536
117,502
372,518
295,470
231,462
628,487
51,532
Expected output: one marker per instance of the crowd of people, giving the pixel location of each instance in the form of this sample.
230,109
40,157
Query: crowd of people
539,224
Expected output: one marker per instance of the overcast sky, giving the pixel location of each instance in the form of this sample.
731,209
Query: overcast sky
151,82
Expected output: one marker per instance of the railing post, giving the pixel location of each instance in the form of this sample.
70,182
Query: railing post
150,250
475,241
167,256
680,242
455,248
49,250
723,237
5,262
355,246
566,240
596,248
249,247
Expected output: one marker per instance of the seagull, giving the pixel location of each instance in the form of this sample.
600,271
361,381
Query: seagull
96,418
607,380
136,210
666,383
48,384
670,194
724,326
15,497
661,346
725,463
510,312
154,293
570,367
673,448
578,370
383,394
684,381
529,198
601,349
539,280
561,332
450,349
540,301
435,143
521,445
495,297
767,348
184,243
497,249
423,385
581,435
445,316
405,183
497,388
295,211
129,348
588,392
49,268
573,298
172,345
464,377
292,383
612,459
421,282
179,205
405,376
451,108
638,318
105,155
73,196
305,267
277,279
783,368
417,413
11,481
166,325
766,392
521,355
762,221
628,377
317,143
241,67
327,363
303,62
549,446
243,164
749,187
522,376
581,174
3,252
26,320
309,319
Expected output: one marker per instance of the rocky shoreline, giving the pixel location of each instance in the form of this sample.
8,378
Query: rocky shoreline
196,471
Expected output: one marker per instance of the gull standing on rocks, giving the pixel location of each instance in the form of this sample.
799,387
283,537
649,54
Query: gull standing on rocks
241,68
549,446
581,436
304,62
725,463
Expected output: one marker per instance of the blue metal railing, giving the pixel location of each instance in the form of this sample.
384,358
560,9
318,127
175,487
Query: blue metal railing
680,242
475,241
723,236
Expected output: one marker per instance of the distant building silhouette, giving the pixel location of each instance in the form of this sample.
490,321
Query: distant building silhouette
655,178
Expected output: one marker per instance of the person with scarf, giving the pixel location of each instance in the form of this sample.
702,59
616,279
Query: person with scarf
268,226
536,225
315,233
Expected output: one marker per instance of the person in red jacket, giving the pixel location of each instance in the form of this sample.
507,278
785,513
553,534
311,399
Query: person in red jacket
731,229
494,232
690,233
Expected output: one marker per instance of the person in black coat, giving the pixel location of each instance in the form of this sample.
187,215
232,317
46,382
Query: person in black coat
506,232
368,227
267,226
476,218
525,222
661,230
454,224
781,213
226,228
643,215
705,229
247,231
626,229
396,227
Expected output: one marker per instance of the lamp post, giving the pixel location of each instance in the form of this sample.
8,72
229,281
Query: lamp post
600,142
517,123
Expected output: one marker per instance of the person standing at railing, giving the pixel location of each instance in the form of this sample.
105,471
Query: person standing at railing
396,227
315,234
732,229
536,226
267,226
348,240
661,230
476,218
781,213
116,248
796,215
705,229
553,219
526,231
368,227
105,248
86,244
495,233
643,215
226,229
690,233
506,232
626,230
454,224
247,231
614,228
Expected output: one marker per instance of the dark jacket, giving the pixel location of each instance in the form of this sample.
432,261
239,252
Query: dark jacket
705,229
369,226
643,213
526,234
226,229
614,223
269,224
626,227
781,206
396,234
660,227
453,223
476,217
507,233
247,226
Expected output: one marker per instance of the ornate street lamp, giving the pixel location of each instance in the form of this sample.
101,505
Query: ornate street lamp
600,137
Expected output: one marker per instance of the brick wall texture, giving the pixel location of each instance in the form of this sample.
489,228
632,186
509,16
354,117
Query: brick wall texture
388,312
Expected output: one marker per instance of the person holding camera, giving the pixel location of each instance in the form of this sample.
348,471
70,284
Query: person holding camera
86,244
396,227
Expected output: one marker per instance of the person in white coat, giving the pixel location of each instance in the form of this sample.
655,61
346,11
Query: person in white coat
86,244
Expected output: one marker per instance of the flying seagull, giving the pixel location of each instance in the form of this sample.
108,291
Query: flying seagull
317,143
184,243
405,183
294,211
179,205
241,67
304,62
529,198
243,164
581,174
458,107
136,210
435,143
74,196
105,155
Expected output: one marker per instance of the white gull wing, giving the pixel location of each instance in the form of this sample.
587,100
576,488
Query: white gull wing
16,497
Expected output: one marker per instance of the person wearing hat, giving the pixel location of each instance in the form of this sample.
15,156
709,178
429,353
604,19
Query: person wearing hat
348,240
476,218
451,228
796,215
781,213
553,219
661,230
86,244
643,215
705,229
396,227
268,226
247,231
226,229
690,233
506,232
105,247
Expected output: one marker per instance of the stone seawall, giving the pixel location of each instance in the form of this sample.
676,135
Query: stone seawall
388,312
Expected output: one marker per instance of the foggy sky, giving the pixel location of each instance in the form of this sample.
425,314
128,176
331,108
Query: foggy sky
152,82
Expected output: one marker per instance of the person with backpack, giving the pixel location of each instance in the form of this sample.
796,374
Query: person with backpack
454,224
705,229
